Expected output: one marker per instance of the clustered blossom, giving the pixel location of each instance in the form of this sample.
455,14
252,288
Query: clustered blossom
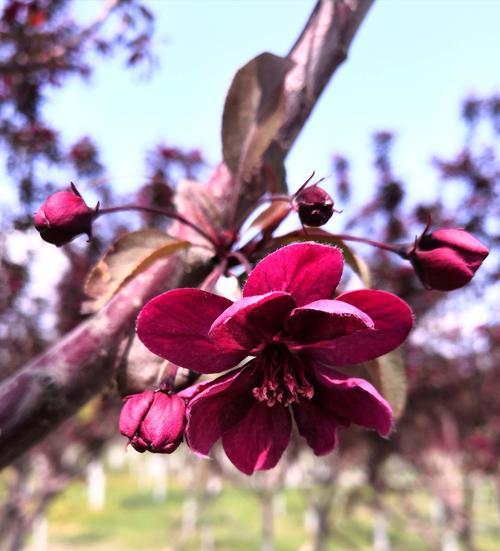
447,259
64,216
282,342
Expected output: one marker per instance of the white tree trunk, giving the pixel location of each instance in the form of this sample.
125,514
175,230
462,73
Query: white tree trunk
449,540
40,534
267,520
96,485
189,516
381,541
158,473
207,542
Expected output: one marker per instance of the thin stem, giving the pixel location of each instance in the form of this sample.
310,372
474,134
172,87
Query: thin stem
401,251
162,212
243,260
168,377
210,281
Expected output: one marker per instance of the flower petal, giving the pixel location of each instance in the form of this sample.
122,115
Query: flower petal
326,319
459,238
352,399
165,420
308,271
392,320
257,442
445,269
251,321
133,412
175,326
222,403
318,425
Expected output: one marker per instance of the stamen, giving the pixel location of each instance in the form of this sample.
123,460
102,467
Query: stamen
284,380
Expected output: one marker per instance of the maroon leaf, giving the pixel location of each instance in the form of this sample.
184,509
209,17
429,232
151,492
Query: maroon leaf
253,112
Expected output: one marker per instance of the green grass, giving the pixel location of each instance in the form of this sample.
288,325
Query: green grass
131,520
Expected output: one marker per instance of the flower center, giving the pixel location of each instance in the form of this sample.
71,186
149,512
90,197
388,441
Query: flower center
284,379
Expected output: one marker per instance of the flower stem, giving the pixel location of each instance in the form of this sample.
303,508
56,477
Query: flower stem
209,283
399,250
243,260
162,212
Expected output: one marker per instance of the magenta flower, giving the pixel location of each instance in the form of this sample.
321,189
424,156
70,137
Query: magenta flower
294,332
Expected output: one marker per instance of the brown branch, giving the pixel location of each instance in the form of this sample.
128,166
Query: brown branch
318,52
52,387
37,398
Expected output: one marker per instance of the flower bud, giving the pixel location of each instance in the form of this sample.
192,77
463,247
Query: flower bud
314,205
153,421
447,259
63,216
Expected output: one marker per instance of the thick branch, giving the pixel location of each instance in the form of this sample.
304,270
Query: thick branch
320,49
52,387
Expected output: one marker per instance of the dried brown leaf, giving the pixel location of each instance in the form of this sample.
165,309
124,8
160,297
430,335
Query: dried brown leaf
128,256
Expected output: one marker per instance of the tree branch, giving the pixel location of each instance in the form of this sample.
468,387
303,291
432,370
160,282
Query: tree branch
318,52
37,398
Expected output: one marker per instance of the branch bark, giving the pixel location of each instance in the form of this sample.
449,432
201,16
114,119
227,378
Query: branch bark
318,52
37,398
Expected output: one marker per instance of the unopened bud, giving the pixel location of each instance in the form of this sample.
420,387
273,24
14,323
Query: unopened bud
314,205
447,259
64,216
153,421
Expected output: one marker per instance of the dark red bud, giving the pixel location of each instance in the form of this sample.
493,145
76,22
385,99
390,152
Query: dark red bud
11,11
64,216
157,193
447,259
314,205
153,421
170,153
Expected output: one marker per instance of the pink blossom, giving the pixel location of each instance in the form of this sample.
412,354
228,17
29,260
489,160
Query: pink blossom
292,334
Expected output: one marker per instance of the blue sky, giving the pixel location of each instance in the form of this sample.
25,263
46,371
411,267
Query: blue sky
410,65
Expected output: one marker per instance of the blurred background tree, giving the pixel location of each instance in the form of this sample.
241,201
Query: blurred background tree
450,429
